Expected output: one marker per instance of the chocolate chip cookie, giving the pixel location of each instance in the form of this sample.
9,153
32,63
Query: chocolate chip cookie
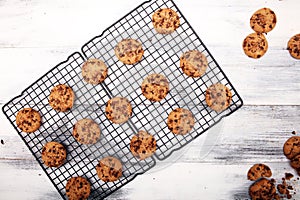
61,98
118,110
291,147
295,162
109,169
218,97
255,45
86,131
165,21
142,145
262,189
258,171
294,46
180,121
94,71
28,120
54,154
155,87
78,188
263,20
129,51
193,63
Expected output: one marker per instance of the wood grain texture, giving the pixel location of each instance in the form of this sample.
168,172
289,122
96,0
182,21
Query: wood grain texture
37,35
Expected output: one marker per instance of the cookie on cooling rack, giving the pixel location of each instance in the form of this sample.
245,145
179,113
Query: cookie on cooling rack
291,147
255,45
218,97
54,154
61,98
94,71
78,188
165,21
193,63
180,121
142,145
109,169
263,20
86,131
118,110
28,120
155,87
294,46
129,51
258,171
263,189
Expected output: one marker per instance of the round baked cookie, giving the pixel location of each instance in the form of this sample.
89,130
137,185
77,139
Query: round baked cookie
142,145
94,71
28,120
78,188
118,110
181,121
109,169
86,131
165,21
263,20
258,171
61,98
129,51
294,46
291,147
262,189
255,45
193,63
218,97
295,162
155,87
54,154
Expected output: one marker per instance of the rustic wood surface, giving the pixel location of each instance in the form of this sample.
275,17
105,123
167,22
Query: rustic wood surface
36,35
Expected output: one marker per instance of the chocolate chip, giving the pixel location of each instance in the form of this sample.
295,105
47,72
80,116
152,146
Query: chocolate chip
2,142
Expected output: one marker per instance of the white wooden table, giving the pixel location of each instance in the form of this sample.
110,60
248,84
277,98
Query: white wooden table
36,35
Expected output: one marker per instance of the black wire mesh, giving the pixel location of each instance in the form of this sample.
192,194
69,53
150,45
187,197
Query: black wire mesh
162,53
81,159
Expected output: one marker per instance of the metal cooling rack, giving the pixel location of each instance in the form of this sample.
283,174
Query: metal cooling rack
162,53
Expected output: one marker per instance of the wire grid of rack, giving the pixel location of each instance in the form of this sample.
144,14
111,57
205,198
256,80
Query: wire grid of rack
162,53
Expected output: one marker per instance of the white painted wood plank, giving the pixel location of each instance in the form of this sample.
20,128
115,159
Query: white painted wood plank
177,181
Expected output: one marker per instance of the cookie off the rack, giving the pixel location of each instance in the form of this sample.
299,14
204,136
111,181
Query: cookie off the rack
61,98
28,120
263,20
255,45
294,46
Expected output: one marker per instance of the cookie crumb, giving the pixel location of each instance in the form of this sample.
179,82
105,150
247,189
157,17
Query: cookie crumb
288,176
294,132
2,142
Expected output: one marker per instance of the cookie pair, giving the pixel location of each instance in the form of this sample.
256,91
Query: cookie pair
255,45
